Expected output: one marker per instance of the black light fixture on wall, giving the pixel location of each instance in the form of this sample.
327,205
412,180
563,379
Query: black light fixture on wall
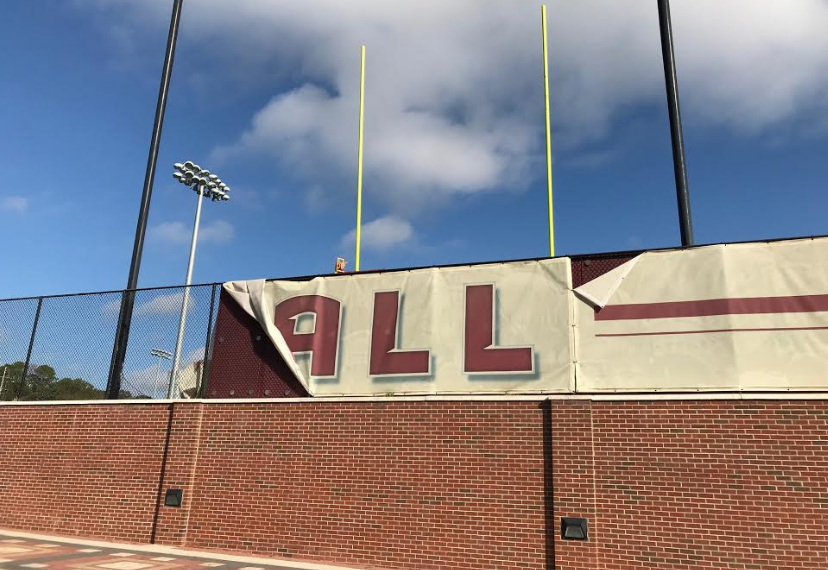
573,528
173,498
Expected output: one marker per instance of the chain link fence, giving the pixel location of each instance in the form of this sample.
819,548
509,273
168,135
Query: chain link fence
585,268
60,347
246,364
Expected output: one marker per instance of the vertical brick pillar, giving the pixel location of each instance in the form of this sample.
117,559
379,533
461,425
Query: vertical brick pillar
181,458
573,473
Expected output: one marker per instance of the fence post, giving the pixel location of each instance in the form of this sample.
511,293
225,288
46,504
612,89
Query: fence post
116,364
31,347
208,345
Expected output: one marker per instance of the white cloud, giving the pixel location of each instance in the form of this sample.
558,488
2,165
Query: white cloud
218,231
194,356
178,232
160,304
381,234
172,232
112,308
454,96
149,381
164,304
15,204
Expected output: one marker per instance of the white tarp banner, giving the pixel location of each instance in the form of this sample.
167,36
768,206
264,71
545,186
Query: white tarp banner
726,317
457,330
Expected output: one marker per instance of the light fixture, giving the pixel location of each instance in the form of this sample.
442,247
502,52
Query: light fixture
173,498
204,184
573,528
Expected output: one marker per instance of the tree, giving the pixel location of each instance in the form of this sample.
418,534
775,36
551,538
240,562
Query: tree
42,384
74,389
11,386
39,381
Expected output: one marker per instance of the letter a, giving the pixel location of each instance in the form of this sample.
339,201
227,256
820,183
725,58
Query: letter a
323,342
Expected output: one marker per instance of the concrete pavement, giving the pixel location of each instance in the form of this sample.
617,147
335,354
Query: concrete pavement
27,551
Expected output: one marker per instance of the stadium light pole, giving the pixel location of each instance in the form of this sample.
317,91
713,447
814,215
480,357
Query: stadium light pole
679,162
116,365
161,354
203,183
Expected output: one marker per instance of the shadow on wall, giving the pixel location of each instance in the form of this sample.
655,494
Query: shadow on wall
548,485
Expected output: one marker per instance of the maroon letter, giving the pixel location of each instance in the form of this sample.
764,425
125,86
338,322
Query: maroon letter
385,357
481,355
323,342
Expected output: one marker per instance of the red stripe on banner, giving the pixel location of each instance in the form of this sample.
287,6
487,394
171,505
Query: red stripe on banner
664,333
710,307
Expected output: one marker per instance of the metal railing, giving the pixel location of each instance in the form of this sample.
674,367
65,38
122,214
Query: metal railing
60,347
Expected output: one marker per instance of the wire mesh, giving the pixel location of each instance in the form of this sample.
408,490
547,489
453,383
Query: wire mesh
246,364
69,355
72,348
64,351
154,337
587,268
16,322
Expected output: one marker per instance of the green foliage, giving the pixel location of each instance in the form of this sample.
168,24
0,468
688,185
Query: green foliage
42,384
11,385
74,389
127,395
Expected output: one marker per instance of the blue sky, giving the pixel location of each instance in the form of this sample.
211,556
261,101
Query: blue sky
264,93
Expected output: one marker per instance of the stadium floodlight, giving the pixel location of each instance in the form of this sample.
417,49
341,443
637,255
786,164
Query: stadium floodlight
161,354
206,185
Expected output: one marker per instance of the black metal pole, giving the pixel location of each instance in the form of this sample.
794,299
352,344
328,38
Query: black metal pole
128,300
679,163
31,347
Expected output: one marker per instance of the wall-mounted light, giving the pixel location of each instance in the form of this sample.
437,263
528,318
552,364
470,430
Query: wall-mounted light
173,497
573,528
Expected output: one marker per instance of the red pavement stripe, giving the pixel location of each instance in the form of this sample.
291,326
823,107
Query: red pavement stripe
710,307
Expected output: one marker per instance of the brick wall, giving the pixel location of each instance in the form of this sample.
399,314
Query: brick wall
700,484
82,470
184,442
397,485
438,484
